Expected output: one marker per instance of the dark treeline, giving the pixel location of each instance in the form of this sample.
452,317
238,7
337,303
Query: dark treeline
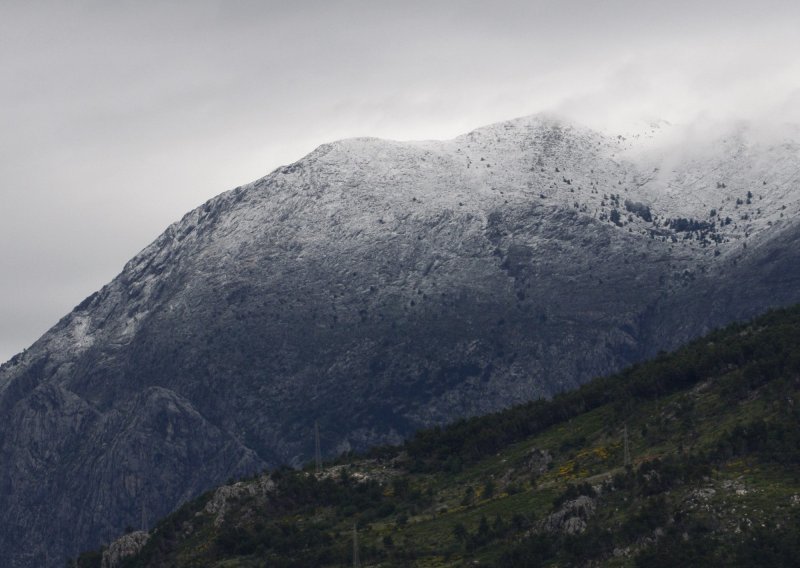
766,348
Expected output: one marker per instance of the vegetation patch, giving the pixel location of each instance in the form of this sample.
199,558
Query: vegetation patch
690,459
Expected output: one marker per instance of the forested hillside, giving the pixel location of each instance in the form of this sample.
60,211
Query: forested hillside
691,459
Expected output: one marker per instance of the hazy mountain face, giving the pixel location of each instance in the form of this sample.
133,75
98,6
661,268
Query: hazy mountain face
378,287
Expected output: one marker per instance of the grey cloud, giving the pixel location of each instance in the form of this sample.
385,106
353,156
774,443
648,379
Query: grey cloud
116,118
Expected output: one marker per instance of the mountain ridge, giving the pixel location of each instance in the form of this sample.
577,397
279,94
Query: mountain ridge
380,287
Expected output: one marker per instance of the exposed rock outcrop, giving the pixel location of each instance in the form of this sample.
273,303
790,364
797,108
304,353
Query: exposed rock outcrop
571,517
125,546
538,461
218,504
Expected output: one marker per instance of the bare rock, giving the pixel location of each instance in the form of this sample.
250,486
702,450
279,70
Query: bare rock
573,525
218,504
125,546
571,517
538,461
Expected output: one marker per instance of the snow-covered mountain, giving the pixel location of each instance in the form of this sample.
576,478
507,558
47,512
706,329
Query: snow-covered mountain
379,287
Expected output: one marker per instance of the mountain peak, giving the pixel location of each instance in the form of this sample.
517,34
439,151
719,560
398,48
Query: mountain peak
378,287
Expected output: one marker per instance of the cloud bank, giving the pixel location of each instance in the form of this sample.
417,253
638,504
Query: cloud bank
119,117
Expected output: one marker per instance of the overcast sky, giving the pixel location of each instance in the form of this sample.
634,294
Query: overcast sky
118,117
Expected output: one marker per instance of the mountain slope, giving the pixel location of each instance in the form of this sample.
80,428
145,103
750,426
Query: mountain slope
713,437
380,287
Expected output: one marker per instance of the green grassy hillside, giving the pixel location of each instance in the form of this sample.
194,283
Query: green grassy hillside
712,478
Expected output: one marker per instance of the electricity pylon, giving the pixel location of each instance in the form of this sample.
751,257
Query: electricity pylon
627,449
317,451
356,559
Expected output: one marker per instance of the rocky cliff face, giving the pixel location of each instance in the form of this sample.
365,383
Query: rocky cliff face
378,287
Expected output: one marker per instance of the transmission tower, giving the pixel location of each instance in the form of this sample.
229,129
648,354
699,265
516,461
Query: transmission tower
626,445
356,560
317,451
141,489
